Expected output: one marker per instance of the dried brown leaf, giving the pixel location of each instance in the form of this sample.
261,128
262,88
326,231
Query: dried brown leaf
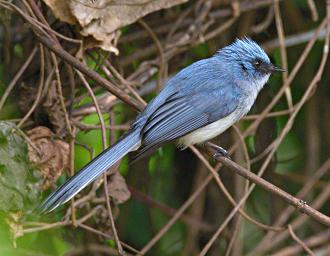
101,19
103,221
119,194
53,108
108,42
61,10
118,189
52,157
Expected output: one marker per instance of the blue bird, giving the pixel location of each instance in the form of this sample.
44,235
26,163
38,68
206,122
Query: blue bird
197,104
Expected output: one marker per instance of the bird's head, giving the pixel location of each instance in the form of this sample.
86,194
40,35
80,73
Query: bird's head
247,59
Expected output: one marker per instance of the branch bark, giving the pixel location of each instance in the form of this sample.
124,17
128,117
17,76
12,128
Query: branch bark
65,56
299,204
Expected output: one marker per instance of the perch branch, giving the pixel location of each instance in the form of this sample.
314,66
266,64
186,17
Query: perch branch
296,202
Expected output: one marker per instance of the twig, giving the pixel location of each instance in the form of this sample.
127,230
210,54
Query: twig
45,227
104,143
60,94
92,249
197,210
297,203
301,205
244,7
234,236
244,147
286,213
177,215
270,114
190,221
312,212
39,92
87,127
299,241
284,58
293,40
264,24
17,77
318,239
313,83
123,81
227,194
160,50
44,24
60,223
58,50
312,7
72,154
88,72
225,222
107,236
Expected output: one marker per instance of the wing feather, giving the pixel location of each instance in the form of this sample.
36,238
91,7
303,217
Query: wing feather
169,135
165,111
180,115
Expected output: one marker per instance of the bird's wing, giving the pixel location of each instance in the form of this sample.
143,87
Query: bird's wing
180,115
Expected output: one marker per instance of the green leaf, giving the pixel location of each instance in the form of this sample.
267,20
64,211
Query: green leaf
19,186
111,243
18,50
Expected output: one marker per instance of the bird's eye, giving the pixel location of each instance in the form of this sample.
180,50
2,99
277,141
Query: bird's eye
257,63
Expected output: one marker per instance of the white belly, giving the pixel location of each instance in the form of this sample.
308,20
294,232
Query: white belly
210,131
214,129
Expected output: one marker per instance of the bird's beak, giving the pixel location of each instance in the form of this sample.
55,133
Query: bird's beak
271,68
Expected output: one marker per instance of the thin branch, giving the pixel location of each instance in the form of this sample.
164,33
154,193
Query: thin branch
160,50
177,215
312,7
296,202
17,76
301,205
299,241
40,88
190,221
104,143
316,240
227,194
284,58
88,72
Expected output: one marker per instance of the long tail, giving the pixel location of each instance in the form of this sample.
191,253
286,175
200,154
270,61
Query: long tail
91,171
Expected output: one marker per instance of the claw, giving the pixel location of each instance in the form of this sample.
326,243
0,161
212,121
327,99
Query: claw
220,152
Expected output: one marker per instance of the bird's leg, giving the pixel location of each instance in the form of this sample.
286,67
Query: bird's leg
219,151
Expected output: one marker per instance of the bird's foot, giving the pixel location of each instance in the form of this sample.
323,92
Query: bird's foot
220,152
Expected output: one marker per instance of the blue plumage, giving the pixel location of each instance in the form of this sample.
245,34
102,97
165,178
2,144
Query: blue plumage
197,104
